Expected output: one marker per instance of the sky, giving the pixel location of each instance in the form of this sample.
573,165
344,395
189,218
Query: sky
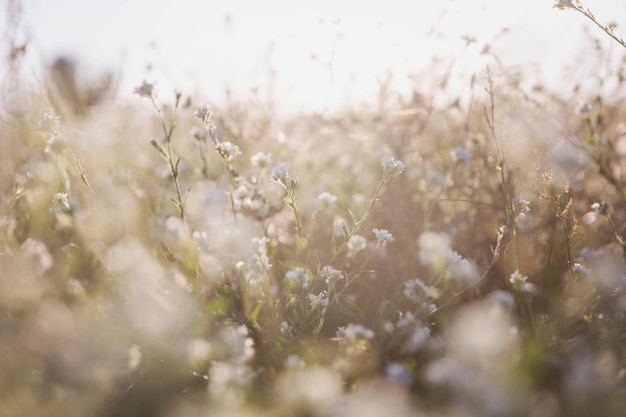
314,54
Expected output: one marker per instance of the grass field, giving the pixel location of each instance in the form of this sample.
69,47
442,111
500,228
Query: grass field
159,257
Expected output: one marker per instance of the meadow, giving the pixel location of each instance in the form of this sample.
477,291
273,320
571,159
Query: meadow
417,255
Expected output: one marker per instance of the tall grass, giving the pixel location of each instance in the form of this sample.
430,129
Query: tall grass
160,257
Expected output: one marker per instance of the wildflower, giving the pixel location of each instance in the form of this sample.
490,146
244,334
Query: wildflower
198,134
294,362
433,248
146,89
297,277
503,299
54,144
356,244
460,154
518,281
354,332
400,373
327,199
135,357
461,269
37,255
413,288
262,260
279,173
339,227
435,251
319,300
286,328
585,108
565,4
202,112
382,236
228,151
391,168
48,125
417,338
520,206
331,274
598,209
60,203
261,159
582,269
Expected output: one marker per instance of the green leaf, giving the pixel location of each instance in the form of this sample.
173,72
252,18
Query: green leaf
354,219
255,313
302,243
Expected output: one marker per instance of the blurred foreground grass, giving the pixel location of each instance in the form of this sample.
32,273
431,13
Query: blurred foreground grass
403,258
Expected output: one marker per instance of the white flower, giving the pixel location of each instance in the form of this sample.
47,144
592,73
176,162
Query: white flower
599,209
228,150
146,89
198,134
564,4
279,173
414,289
417,338
286,329
60,203
297,277
202,112
327,199
356,244
294,362
261,159
436,252
462,270
460,154
391,168
383,236
354,332
331,274
339,227
48,125
319,300
518,280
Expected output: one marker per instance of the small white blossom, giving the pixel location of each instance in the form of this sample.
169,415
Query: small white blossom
354,332
565,4
48,125
60,203
517,280
146,89
356,244
286,329
460,154
202,112
279,173
294,362
261,159
416,338
391,168
382,236
228,150
297,277
331,274
198,133
582,269
598,209
318,301
339,226
327,199
414,290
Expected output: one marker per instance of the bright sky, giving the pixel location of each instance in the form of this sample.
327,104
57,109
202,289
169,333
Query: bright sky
206,45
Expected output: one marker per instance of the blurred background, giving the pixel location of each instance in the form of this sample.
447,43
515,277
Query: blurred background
311,56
